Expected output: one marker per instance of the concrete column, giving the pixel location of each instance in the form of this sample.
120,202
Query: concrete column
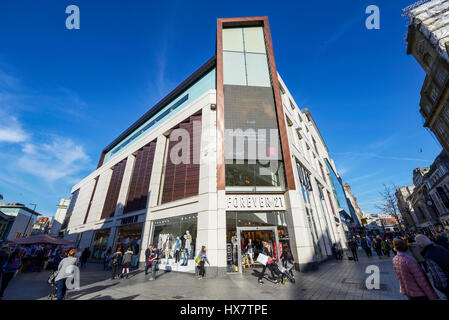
153,193
208,220
319,214
111,238
123,194
301,241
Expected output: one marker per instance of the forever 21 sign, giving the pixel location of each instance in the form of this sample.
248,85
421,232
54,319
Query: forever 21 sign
255,202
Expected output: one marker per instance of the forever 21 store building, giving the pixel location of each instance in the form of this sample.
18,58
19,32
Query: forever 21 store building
226,157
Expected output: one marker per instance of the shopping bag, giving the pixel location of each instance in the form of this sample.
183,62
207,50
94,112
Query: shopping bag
263,259
198,260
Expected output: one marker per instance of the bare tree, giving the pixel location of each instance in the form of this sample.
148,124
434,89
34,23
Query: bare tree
389,203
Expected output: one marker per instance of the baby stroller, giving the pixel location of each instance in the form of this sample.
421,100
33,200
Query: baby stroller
53,287
286,271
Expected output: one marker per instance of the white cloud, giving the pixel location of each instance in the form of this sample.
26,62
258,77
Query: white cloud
11,130
61,158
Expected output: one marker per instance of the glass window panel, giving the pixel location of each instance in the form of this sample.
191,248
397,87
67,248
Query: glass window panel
234,68
233,39
254,40
257,69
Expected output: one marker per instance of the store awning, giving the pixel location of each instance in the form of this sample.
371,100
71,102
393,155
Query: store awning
41,239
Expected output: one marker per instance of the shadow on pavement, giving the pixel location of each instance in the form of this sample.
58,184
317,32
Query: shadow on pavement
80,293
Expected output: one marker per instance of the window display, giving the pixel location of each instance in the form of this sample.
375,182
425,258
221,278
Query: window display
100,242
130,236
176,238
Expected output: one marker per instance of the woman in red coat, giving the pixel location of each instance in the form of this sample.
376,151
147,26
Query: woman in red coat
412,280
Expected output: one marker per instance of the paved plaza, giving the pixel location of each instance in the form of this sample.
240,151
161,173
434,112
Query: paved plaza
334,280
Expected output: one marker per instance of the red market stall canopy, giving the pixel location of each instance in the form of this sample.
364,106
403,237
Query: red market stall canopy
41,239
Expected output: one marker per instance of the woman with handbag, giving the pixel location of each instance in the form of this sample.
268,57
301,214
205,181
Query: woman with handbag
201,260
266,250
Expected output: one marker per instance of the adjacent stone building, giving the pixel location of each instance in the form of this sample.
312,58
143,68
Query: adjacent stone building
427,41
405,207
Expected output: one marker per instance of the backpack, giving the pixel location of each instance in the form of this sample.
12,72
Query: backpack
439,278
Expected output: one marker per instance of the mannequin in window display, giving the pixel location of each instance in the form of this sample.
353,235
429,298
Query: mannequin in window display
167,249
189,237
159,242
186,251
177,248
235,244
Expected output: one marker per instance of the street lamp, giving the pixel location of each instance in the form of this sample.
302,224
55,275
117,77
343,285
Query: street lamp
29,220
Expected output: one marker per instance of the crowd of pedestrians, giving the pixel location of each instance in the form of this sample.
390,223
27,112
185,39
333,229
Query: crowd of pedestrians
16,259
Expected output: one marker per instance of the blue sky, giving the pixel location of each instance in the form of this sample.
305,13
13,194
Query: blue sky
66,94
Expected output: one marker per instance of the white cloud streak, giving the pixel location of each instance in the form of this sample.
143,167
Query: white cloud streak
11,130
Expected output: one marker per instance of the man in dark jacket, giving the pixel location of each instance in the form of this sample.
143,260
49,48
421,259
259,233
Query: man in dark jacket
437,254
147,257
442,240
352,245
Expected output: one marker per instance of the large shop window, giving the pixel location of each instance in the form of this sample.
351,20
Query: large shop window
113,190
176,238
140,181
250,221
251,126
130,236
253,156
100,242
182,179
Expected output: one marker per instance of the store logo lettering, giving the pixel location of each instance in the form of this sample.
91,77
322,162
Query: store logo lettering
255,202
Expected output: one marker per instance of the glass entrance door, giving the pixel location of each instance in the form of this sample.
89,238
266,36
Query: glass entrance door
250,245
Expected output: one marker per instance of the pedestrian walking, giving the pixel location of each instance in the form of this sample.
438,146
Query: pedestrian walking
442,240
287,258
415,251
116,261
249,249
412,280
78,256
202,259
336,252
385,247
107,258
266,250
352,244
437,261
126,262
378,247
148,252
64,273
84,257
59,255
9,269
154,259
364,245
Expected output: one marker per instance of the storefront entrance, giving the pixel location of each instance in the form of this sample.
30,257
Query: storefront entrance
252,238
258,226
